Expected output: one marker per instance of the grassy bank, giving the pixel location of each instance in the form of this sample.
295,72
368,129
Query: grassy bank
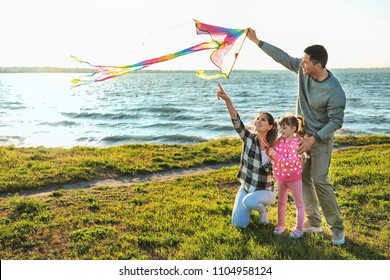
38,168
186,218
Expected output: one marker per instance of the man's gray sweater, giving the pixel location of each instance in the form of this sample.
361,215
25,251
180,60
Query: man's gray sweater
321,104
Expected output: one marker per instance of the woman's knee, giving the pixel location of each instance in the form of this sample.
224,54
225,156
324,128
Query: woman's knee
237,224
250,203
240,220
259,200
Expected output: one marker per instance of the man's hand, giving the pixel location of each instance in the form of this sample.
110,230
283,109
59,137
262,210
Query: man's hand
305,144
251,34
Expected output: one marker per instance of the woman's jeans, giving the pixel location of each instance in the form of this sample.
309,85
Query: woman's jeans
246,202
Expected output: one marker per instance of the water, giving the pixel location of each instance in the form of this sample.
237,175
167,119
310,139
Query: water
39,109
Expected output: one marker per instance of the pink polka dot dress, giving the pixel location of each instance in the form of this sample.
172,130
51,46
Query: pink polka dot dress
287,162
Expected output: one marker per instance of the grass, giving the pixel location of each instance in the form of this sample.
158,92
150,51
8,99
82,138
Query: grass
39,168
187,218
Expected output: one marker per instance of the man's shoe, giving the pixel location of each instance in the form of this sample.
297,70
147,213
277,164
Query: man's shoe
263,218
307,227
338,237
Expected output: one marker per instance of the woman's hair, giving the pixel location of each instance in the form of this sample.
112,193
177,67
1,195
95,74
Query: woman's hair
292,121
272,134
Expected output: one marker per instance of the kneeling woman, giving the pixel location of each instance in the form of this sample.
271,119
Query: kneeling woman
257,186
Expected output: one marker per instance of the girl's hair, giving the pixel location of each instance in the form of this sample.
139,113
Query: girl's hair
292,120
272,134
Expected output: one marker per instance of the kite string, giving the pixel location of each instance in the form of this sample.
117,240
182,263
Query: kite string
163,30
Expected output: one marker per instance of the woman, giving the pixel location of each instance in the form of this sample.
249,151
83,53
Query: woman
255,174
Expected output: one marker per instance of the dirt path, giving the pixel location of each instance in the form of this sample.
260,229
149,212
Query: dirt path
131,180
126,180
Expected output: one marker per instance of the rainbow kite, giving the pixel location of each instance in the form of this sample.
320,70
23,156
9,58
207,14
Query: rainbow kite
225,41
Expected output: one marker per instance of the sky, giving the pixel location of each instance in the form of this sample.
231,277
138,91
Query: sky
120,32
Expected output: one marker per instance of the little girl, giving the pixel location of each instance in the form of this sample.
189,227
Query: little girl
288,171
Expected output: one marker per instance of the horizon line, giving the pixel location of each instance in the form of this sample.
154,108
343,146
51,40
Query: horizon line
59,69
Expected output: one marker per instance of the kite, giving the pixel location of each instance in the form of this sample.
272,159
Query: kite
226,43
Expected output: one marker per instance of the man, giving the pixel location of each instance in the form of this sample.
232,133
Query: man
321,101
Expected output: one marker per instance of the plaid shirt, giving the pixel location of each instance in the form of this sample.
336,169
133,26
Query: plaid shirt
253,172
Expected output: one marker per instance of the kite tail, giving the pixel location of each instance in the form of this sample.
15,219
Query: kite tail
104,73
201,74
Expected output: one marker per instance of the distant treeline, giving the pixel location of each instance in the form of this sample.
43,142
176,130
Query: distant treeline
44,70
